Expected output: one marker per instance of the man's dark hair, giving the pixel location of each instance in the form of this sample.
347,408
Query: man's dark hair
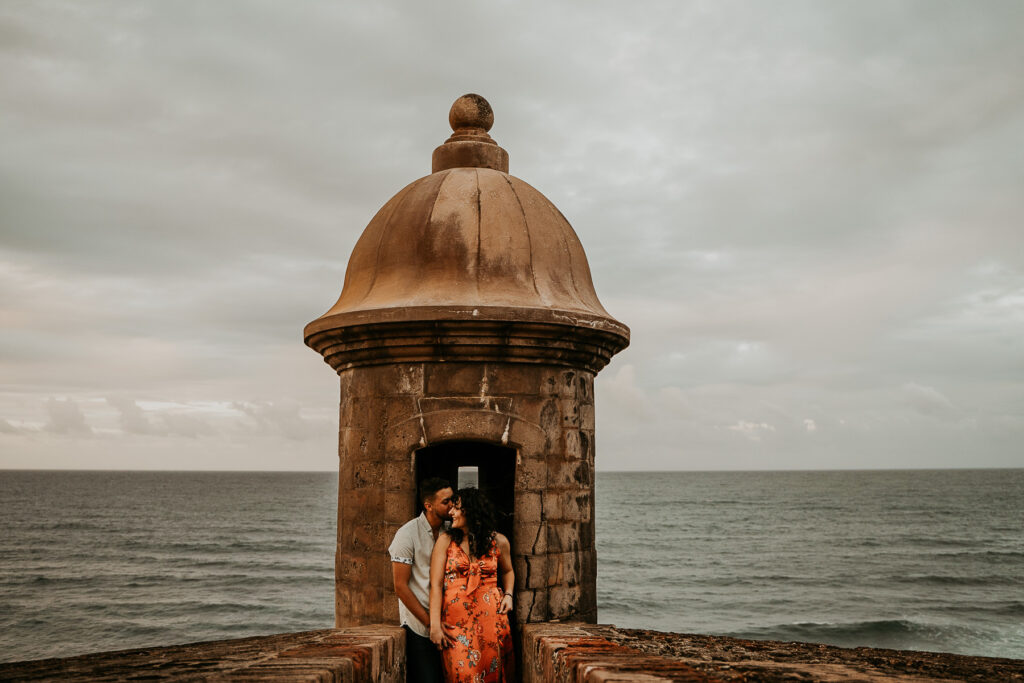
428,487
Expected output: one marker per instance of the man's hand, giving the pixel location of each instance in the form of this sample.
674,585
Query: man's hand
401,573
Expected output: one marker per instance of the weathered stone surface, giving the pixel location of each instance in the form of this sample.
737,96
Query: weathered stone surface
527,437
564,603
551,652
398,507
531,606
531,474
552,482
538,571
578,653
587,417
559,653
531,536
377,474
353,655
563,537
529,507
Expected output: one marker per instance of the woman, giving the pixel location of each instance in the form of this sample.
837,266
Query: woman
471,583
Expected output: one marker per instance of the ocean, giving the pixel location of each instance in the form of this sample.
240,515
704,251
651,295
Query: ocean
928,560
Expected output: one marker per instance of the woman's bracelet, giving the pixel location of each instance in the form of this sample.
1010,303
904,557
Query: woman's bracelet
508,594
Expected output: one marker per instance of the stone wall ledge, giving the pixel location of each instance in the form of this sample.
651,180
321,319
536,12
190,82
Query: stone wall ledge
364,654
551,653
585,653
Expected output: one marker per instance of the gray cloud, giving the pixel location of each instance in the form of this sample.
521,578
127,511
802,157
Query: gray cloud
66,417
285,418
133,419
929,401
183,424
807,213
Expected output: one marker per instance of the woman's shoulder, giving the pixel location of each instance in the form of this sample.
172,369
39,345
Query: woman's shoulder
501,541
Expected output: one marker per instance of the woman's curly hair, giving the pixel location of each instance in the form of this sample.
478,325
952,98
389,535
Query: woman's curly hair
481,521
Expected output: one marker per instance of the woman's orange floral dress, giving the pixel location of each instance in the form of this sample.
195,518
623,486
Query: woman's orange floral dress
482,651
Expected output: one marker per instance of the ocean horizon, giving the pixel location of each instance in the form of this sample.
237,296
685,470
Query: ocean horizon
933,560
598,470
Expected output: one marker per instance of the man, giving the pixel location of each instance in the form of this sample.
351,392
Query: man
410,568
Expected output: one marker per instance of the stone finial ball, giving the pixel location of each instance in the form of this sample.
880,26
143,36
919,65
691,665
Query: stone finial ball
471,111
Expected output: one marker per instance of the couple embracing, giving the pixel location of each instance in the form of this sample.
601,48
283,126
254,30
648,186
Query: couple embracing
454,585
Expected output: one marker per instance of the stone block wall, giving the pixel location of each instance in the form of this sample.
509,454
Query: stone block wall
369,654
585,653
580,653
545,413
551,653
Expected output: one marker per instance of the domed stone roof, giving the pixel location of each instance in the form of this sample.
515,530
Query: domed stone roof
473,237
468,242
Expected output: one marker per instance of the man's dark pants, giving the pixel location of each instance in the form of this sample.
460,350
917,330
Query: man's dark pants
422,660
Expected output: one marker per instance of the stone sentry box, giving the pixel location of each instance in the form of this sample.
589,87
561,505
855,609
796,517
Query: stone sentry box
468,333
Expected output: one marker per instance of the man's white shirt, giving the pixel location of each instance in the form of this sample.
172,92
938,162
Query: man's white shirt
413,544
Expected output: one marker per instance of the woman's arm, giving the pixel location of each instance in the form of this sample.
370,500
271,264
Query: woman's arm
507,575
437,559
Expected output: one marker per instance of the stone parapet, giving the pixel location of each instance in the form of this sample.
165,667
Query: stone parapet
365,654
551,653
585,653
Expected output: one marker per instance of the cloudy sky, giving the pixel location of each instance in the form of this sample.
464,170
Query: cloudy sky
809,214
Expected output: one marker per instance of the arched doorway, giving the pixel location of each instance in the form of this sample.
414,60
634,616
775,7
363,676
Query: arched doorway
489,467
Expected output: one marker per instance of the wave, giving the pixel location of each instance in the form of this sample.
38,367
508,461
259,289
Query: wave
638,605
68,525
987,580
43,580
1012,608
214,546
988,555
900,634
939,542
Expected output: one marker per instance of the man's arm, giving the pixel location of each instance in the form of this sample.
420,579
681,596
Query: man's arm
401,572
